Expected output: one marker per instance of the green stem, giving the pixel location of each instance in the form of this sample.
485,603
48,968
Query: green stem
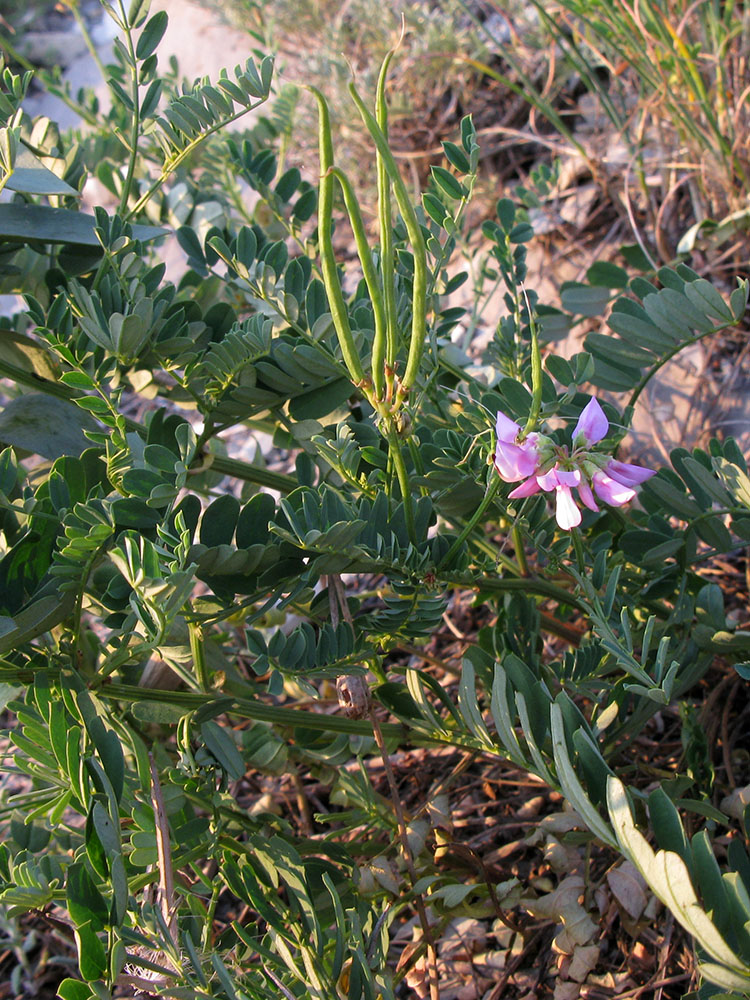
524,585
252,474
198,653
394,450
34,381
489,496
668,357
135,131
536,376
578,548
248,708
173,163
416,238
520,550
331,281
15,56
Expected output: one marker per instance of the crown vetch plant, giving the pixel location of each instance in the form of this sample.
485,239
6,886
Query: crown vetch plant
173,617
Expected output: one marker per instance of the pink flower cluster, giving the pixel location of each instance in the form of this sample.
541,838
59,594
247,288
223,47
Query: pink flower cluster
543,465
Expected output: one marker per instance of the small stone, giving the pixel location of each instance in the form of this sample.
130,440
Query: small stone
531,808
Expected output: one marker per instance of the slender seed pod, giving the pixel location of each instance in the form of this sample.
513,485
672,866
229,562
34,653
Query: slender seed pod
331,281
370,276
387,352
419,293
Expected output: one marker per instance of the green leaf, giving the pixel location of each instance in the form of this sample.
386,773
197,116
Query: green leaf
516,395
45,425
219,521
8,471
321,401
648,547
157,712
559,369
701,477
584,300
38,223
457,157
506,213
74,989
607,275
704,296
92,960
224,749
609,348
737,481
467,705
450,185
77,380
30,176
434,208
726,978
151,35
668,829
554,324
672,499
34,620
86,904
521,233
570,785
669,879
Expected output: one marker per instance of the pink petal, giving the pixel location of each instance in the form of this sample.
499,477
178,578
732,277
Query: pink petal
610,490
506,429
627,473
592,423
587,497
527,489
568,477
514,461
549,480
557,477
566,512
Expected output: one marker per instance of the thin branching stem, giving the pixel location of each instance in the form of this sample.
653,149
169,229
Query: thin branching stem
397,456
467,529
136,122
